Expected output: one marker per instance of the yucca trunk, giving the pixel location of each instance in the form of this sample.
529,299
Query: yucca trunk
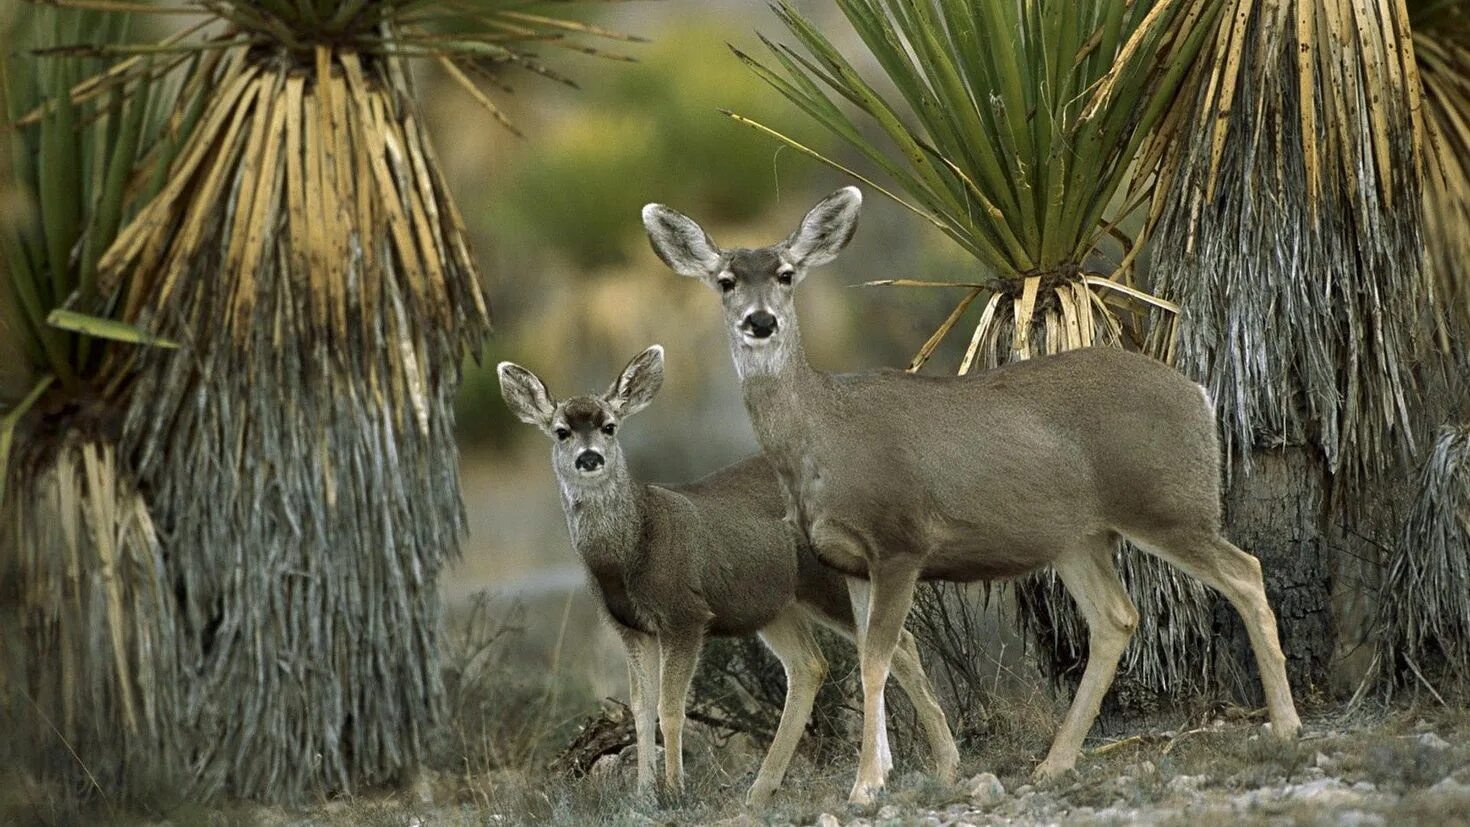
1287,230
91,663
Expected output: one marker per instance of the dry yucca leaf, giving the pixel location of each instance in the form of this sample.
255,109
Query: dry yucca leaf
1285,225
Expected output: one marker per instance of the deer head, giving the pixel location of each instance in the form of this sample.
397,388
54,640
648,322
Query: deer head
757,286
584,429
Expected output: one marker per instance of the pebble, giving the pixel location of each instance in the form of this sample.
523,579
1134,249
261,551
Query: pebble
1186,783
828,820
1449,786
1359,818
888,812
1328,792
1433,741
986,789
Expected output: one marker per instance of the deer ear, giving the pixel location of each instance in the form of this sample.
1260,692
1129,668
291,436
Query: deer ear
826,229
639,381
525,394
681,243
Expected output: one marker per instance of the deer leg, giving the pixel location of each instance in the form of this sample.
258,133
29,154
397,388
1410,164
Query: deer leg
860,594
790,638
678,656
643,697
909,671
1088,574
892,595
1237,575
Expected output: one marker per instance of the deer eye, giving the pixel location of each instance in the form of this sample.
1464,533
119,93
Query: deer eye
563,434
609,428
784,277
726,285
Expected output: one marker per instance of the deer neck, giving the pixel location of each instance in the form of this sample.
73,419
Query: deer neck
606,519
780,402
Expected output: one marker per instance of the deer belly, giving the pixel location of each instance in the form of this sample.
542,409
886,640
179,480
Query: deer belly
967,561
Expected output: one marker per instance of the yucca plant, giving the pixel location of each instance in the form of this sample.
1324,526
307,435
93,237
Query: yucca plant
1424,619
1442,50
297,451
1287,226
1019,130
1288,222
89,636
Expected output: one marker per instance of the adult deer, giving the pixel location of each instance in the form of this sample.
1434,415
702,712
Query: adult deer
893,476
676,563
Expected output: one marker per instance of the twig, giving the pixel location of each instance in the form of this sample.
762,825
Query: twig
67,744
1173,742
1117,745
1420,675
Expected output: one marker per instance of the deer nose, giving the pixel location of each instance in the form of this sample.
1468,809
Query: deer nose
589,461
761,324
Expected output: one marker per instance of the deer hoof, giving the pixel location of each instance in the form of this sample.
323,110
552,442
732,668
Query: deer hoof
1049,770
759,797
948,765
1286,731
862,794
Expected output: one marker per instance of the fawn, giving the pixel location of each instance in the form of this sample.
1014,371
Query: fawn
674,564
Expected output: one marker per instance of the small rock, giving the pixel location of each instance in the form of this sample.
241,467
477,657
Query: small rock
986,789
1328,792
1025,789
828,820
1449,786
1432,741
1186,783
888,812
605,767
1359,818
1364,787
1321,760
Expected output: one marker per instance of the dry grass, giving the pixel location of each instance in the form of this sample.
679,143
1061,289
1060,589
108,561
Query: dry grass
509,714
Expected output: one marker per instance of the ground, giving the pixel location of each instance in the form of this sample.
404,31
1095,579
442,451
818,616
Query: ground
1398,766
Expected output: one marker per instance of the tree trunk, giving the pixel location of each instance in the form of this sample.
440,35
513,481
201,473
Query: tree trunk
1278,510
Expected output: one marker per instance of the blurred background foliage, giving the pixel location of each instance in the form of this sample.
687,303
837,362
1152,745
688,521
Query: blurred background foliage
572,282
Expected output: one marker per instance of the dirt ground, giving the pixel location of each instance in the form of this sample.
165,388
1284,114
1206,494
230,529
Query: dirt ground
1392,767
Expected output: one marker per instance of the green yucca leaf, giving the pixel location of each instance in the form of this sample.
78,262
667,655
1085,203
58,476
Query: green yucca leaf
76,137
1016,128
1001,135
104,328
